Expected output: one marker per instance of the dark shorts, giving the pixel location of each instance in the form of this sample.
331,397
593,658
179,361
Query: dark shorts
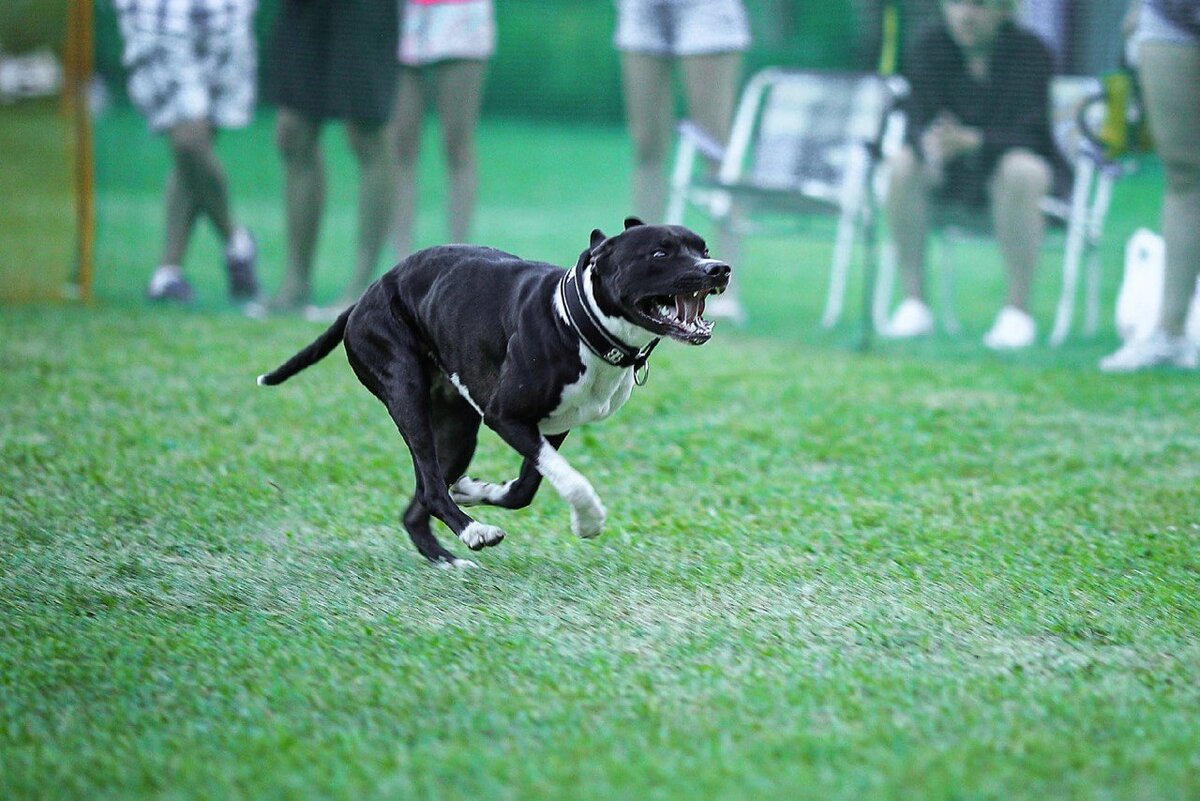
334,59
967,181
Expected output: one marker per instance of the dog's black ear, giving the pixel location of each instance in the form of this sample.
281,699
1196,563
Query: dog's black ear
632,222
597,237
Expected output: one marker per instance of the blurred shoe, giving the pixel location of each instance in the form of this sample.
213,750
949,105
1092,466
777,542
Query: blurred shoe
724,307
1154,350
912,318
1014,329
256,310
168,283
324,314
241,254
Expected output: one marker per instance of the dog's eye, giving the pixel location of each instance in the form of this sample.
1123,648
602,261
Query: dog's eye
660,254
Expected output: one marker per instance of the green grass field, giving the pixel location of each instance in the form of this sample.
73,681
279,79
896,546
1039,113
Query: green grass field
922,572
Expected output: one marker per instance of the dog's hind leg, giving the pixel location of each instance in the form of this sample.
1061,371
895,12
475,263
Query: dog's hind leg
388,362
456,425
416,523
514,494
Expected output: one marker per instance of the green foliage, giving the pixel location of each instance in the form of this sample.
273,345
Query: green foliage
32,24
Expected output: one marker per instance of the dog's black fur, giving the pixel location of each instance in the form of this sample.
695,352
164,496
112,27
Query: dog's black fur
455,335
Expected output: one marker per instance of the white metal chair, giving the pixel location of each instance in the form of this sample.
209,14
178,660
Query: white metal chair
802,143
1077,108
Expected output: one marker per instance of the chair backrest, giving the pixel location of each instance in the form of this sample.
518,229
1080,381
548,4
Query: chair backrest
805,131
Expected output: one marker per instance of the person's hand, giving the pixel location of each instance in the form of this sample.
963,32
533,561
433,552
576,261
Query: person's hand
947,139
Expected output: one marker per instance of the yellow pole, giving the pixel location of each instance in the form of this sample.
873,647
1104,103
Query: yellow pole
890,44
79,57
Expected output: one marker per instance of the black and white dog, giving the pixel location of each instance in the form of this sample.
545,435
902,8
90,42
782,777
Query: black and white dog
457,334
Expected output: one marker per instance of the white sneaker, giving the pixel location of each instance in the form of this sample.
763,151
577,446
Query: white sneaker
168,283
912,318
1154,350
1014,329
725,307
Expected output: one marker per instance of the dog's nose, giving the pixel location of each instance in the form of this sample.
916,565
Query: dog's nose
718,270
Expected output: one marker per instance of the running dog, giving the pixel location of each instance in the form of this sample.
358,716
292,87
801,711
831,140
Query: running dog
457,335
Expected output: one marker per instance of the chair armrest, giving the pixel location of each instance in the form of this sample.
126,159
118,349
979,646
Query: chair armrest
704,142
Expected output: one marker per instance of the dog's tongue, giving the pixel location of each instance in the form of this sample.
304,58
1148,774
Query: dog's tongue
688,308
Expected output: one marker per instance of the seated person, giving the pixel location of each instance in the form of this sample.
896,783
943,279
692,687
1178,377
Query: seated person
979,136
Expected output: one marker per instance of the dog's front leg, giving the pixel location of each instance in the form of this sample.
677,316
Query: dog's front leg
587,513
514,494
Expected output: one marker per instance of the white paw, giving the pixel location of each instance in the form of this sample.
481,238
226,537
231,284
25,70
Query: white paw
587,519
469,492
455,564
477,535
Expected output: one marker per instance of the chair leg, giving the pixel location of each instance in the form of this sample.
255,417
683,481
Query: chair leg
843,250
1076,236
1103,198
945,281
885,285
1091,309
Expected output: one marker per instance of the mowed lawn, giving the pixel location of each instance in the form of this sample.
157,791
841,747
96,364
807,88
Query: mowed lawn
921,572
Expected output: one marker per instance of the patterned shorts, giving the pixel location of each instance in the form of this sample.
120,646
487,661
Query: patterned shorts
445,31
205,72
681,27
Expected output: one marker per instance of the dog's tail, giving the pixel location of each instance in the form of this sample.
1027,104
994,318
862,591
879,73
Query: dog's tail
319,349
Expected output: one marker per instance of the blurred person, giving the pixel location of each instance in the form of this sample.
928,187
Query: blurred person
192,66
1167,41
332,60
444,46
978,136
705,39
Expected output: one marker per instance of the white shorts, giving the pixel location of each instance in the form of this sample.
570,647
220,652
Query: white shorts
447,31
203,68
681,27
1154,27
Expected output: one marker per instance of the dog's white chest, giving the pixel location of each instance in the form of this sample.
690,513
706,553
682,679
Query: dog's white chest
600,391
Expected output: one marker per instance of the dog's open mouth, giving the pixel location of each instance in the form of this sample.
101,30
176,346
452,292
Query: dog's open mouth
680,316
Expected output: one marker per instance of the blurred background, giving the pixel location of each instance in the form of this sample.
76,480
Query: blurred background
554,155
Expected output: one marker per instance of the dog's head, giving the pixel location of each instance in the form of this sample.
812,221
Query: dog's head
656,277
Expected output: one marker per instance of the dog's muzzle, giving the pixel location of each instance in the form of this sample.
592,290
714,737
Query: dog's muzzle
680,314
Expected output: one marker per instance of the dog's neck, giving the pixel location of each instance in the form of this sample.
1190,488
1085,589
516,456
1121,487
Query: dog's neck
615,340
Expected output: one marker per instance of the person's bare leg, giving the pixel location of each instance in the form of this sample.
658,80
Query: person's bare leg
1020,182
649,114
710,84
459,94
181,214
376,189
200,173
907,209
407,117
298,139
1170,75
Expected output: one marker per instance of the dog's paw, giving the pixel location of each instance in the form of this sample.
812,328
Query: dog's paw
470,492
477,535
452,564
587,519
